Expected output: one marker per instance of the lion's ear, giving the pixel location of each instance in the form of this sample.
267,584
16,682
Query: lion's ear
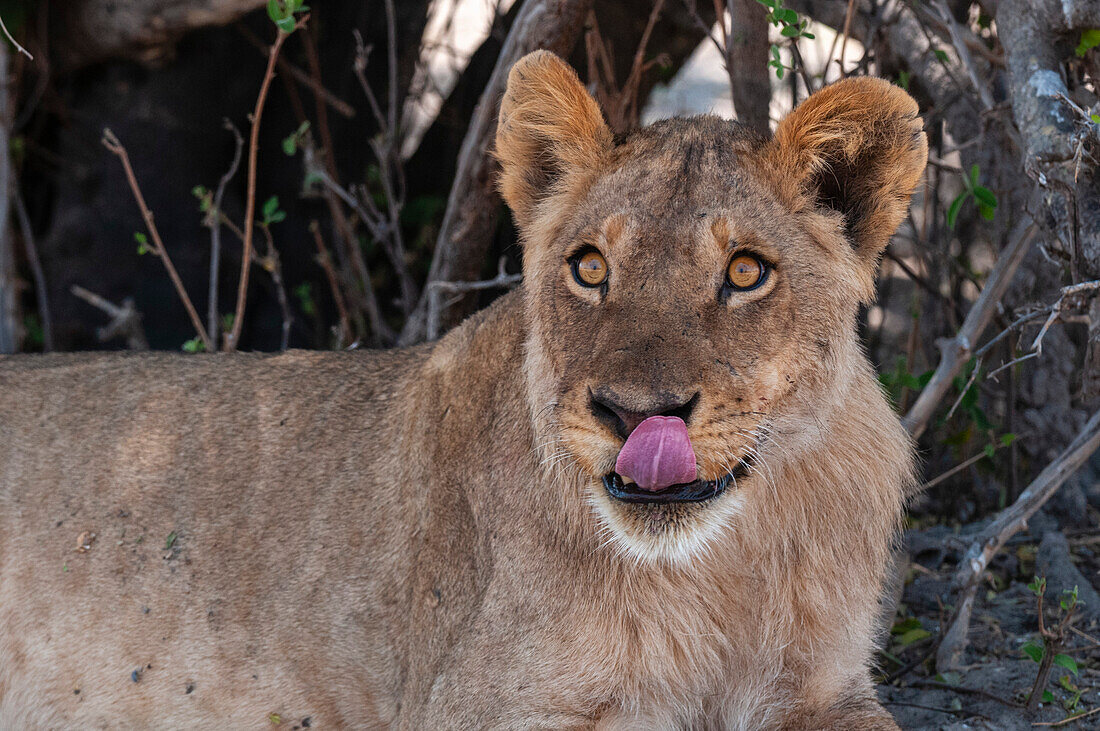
857,147
549,127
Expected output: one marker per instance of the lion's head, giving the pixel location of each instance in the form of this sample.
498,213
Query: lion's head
682,284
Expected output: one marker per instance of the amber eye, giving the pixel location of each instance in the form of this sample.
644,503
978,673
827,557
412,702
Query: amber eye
746,272
590,269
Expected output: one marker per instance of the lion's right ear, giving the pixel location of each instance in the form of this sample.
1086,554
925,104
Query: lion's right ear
549,128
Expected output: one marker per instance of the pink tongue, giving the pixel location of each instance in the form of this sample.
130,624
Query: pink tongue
658,454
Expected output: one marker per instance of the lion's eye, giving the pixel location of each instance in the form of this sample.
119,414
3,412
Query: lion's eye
746,272
590,269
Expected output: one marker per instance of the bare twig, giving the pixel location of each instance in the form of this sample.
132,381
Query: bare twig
957,351
250,202
1054,640
349,254
1068,719
14,42
1056,312
847,29
111,142
325,261
31,247
386,227
437,289
964,54
125,320
214,221
273,266
322,94
620,104
1009,522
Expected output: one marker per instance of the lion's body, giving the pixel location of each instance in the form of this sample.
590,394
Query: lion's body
420,539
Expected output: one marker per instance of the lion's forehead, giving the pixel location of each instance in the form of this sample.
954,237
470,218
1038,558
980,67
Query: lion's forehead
676,181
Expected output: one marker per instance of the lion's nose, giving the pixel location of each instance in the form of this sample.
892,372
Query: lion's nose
611,409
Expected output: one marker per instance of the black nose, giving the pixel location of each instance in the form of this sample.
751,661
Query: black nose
609,408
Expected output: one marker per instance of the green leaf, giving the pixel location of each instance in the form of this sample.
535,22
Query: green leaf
956,206
276,217
790,31
905,625
194,345
811,36
304,293
941,55
140,237
1048,697
170,541
987,212
985,195
271,205
787,15
290,145
989,450
1007,439
1038,585
1090,39
275,11
1069,599
903,80
1035,652
913,635
1067,662
1095,118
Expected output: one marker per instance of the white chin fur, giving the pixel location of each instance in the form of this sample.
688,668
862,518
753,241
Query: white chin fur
672,544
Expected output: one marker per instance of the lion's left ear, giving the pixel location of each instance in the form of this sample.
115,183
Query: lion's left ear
857,147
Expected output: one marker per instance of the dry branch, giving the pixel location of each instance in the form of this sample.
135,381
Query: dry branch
214,221
125,320
234,336
325,261
473,203
35,262
1010,521
322,94
437,289
14,42
957,351
114,146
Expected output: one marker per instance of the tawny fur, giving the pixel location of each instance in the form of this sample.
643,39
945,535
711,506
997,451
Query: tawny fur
420,538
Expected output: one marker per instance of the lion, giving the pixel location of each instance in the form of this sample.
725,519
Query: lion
654,487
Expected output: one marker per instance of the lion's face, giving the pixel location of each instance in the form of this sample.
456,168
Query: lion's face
673,275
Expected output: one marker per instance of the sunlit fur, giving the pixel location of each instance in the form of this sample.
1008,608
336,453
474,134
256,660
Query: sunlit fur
419,538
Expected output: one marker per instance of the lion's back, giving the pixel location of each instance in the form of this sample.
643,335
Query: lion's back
183,507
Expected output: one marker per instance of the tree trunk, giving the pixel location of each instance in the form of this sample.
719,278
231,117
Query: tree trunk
474,204
747,63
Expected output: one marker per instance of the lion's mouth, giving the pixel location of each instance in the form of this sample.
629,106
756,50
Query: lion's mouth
688,492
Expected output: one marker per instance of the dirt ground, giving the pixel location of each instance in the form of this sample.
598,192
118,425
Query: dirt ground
997,676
